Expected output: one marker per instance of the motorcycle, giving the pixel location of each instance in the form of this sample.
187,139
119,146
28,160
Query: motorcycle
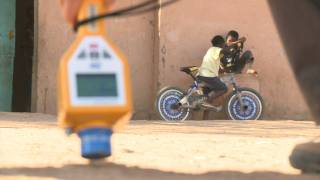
176,105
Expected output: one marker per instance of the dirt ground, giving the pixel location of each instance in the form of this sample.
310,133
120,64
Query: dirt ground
32,147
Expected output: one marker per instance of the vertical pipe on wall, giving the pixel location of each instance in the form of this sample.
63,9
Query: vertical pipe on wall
35,60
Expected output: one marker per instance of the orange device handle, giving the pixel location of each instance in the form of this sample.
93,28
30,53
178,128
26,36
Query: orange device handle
90,8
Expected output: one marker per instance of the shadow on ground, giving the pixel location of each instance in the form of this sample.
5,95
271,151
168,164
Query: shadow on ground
120,172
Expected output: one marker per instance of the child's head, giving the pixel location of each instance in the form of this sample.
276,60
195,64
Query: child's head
218,41
232,36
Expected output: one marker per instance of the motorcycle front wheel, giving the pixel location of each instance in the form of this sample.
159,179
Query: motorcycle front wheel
253,105
167,105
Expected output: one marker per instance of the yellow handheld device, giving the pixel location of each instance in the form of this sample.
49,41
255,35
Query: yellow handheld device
94,93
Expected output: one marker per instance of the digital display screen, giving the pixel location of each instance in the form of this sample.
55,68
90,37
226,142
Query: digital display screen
97,85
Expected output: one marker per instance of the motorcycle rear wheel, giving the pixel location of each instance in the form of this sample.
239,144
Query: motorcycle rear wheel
166,100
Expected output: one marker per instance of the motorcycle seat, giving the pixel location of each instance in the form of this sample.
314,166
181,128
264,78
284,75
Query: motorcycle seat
189,69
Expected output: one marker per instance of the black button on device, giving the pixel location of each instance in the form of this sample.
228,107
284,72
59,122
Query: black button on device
106,55
82,55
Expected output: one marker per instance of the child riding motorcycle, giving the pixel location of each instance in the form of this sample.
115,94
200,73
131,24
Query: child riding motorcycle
233,61
223,56
209,70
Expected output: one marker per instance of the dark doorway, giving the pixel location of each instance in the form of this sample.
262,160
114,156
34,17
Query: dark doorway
22,73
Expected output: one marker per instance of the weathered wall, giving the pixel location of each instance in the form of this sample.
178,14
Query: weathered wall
54,37
133,35
157,46
186,31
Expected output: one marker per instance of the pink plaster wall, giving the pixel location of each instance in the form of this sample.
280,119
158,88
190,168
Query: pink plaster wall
186,31
157,46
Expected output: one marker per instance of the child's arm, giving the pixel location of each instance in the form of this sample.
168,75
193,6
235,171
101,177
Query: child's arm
239,42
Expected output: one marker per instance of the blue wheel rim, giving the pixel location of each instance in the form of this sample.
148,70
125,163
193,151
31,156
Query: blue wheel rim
166,103
251,111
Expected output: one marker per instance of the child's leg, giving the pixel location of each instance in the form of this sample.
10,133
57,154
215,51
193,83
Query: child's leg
246,58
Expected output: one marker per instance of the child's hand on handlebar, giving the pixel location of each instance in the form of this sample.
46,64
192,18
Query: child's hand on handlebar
252,72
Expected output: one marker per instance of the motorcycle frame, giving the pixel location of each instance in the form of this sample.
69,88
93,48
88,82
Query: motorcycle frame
228,79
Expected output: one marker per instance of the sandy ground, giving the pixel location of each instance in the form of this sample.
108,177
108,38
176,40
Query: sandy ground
32,147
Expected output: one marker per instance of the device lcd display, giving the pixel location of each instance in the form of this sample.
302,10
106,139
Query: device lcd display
97,85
